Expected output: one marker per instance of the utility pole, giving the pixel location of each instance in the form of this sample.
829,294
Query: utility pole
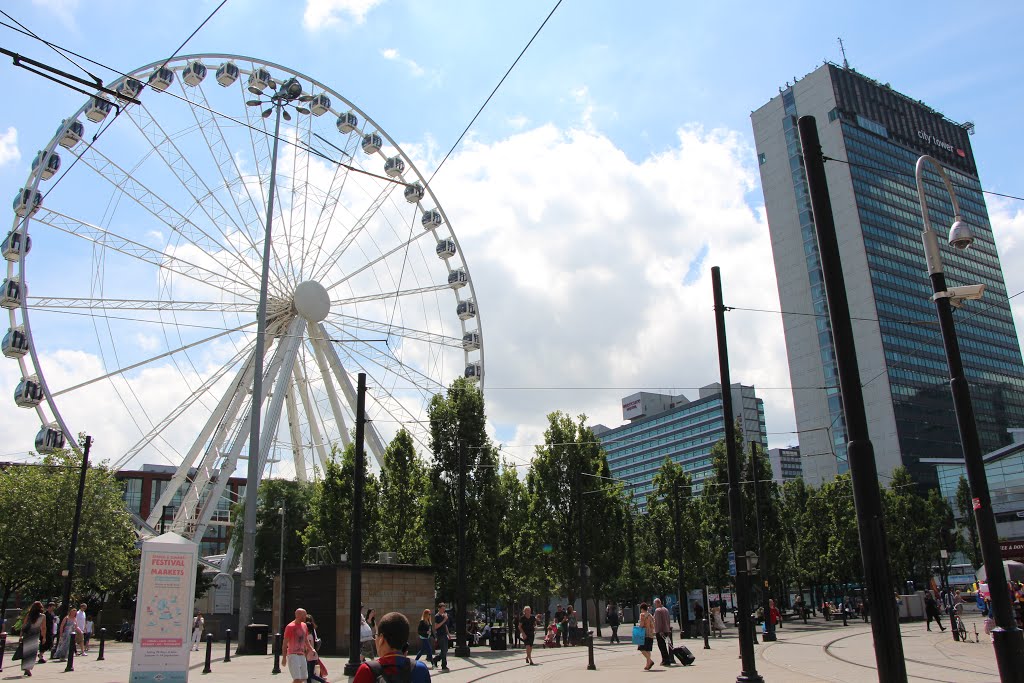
631,555
280,570
355,553
69,573
757,518
584,570
892,668
739,545
462,613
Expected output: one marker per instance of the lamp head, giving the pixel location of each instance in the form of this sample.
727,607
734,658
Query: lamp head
960,235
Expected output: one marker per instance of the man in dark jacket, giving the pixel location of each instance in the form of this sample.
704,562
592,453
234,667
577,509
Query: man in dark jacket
931,610
47,639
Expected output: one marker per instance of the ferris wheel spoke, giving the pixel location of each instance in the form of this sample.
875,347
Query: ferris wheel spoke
344,323
388,362
203,196
353,232
141,363
169,262
328,209
379,259
227,165
67,302
145,198
313,416
180,409
383,296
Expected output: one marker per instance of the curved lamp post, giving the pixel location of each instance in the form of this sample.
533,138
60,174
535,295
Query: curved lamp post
1009,642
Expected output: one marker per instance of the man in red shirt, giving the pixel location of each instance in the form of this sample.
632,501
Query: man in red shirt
296,644
392,636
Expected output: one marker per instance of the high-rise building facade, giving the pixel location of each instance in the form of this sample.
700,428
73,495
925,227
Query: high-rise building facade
786,464
872,137
662,426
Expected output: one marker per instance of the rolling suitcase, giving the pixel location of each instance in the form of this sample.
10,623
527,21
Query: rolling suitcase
683,654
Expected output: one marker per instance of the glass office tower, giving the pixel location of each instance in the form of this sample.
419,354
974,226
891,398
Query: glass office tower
872,136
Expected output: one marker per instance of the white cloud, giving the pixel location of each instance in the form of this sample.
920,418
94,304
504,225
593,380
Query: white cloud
415,70
1007,218
62,10
325,13
579,255
9,152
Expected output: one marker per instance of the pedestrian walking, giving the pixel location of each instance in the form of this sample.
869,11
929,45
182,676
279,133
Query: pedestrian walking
366,635
296,642
442,622
312,647
663,631
562,620
391,665
198,624
80,630
527,624
773,618
66,634
717,624
931,610
33,630
647,622
425,631
571,626
90,628
614,619
698,616
50,634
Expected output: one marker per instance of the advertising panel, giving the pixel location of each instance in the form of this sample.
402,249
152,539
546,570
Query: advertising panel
163,613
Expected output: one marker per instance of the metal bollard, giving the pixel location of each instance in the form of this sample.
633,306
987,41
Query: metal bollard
209,652
71,655
3,646
227,645
844,615
277,654
103,639
707,627
590,652
804,610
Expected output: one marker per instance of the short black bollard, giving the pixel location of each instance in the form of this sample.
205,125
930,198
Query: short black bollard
804,610
209,652
844,615
3,646
71,655
103,639
277,654
227,645
590,652
707,627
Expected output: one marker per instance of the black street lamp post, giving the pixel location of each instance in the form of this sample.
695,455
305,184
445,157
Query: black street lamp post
355,553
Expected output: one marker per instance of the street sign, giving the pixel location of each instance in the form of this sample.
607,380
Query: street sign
732,563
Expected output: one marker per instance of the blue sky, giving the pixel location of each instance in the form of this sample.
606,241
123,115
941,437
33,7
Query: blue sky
620,145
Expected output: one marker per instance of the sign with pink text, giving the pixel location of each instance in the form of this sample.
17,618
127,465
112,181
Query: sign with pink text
163,612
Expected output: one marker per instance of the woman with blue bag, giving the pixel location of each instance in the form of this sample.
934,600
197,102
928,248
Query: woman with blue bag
643,635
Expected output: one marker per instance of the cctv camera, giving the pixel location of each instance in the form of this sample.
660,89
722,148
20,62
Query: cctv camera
967,292
960,235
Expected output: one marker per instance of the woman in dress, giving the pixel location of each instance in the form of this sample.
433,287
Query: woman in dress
66,634
367,648
716,620
312,658
31,636
647,622
424,631
527,625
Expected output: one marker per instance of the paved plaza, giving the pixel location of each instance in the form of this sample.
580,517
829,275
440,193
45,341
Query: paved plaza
820,651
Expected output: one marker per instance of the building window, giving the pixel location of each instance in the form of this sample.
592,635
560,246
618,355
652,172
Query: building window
761,159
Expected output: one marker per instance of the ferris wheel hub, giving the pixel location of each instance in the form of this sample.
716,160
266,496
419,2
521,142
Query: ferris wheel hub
311,301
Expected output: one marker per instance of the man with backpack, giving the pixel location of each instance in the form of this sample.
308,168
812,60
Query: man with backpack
391,666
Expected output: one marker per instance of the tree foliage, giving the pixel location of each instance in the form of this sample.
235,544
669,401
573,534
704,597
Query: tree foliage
330,508
403,509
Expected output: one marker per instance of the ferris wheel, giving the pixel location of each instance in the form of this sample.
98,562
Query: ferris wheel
141,230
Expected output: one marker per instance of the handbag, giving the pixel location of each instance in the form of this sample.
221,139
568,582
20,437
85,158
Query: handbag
639,635
19,652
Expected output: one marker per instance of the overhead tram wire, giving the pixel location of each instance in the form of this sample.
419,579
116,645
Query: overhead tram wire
495,90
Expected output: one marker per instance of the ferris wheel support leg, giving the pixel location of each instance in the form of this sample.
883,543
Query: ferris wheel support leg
181,475
293,431
313,414
373,439
332,395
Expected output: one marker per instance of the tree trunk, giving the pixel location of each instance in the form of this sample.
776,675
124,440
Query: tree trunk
597,616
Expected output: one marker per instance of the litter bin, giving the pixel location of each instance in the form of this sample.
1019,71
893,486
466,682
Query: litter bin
257,639
499,638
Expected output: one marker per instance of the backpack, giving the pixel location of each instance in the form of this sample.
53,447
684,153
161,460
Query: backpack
402,675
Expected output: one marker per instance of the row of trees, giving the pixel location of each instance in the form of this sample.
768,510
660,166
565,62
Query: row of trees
524,528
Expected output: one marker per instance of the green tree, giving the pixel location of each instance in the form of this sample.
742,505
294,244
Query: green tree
403,500
274,494
330,508
842,557
967,529
672,490
37,502
911,531
458,435
563,467
518,566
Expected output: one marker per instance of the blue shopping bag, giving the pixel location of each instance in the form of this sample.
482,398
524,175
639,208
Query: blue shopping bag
639,635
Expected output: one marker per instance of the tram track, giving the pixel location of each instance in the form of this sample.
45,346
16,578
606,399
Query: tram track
827,648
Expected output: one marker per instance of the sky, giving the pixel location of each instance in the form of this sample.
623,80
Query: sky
612,169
